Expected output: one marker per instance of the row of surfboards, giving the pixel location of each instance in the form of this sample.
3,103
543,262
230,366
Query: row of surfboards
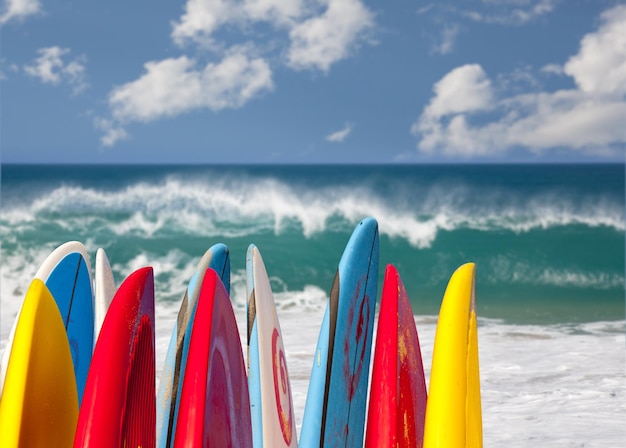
79,367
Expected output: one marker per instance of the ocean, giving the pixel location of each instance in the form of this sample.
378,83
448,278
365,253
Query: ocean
548,243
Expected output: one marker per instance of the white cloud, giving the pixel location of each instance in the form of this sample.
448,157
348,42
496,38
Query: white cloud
317,33
51,68
203,17
340,136
464,89
508,12
323,40
552,69
589,118
113,132
175,86
445,44
600,65
19,10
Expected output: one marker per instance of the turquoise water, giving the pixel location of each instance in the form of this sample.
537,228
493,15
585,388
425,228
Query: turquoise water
548,240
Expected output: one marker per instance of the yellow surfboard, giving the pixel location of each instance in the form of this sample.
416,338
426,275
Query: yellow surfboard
453,410
39,406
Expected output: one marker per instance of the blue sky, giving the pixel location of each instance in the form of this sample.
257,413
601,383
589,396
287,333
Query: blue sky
312,81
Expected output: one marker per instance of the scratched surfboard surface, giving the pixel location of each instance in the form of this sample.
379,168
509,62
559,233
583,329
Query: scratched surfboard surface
217,257
334,414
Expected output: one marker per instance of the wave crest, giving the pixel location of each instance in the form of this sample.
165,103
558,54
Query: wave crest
230,207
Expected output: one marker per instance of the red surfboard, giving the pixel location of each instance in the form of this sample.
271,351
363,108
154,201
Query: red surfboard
119,404
397,406
214,404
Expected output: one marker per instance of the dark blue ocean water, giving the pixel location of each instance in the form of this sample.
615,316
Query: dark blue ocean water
547,240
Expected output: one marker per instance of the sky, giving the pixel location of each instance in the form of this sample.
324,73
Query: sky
312,81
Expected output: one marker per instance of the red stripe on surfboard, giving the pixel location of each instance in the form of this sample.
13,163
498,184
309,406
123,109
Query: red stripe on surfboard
282,390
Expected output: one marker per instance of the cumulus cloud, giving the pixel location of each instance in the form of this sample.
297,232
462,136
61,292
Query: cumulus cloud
178,85
203,17
18,10
459,119
340,136
600,65
309,34
319,33
323,40
52,67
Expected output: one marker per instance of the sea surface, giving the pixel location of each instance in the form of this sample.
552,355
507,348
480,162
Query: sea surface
548,243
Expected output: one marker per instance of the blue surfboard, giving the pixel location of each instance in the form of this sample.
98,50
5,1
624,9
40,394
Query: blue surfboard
334,413
67,274
217,258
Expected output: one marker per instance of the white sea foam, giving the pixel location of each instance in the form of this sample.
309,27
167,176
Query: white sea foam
229,208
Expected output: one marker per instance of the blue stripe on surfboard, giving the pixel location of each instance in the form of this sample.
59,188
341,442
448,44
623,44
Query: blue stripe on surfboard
70,285
254,388
220,262
338,418
310,432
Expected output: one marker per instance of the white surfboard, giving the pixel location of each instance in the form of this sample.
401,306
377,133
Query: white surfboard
273,423
104,290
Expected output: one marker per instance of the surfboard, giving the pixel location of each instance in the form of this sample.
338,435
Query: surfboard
334,413
217,258
397,404
66,273
39,406
104,289
273,421
453,411
119,403
214,404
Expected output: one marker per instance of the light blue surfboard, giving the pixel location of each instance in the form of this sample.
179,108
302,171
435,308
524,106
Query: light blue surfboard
67,274
217,258
334,414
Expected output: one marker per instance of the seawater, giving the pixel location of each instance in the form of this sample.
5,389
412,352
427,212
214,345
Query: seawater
547,240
